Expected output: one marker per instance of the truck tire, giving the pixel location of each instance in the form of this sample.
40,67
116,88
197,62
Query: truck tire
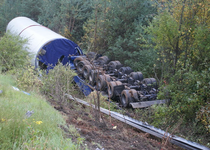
81,64
77,60
140,78
147,81
125,98
93,76
154,83
136,76
150,83
134,94
114,65
91,56
111,85
118,64
103,60
102,82
86,71
125,70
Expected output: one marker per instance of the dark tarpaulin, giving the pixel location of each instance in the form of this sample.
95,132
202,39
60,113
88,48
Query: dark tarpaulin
59,50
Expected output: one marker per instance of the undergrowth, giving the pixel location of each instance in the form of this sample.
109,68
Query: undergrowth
58,82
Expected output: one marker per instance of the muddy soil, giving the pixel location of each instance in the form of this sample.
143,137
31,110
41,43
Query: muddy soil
106,134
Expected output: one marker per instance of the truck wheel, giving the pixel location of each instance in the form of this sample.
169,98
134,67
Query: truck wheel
118,64
111,85
136,76
140,78
81,64
86,71
125,70
77,60
93,76
102,82
134,94
125,98
103,60
91,55
154,83
112,65
148,83
111,89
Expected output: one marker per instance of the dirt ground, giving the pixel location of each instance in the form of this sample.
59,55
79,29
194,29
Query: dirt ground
108,134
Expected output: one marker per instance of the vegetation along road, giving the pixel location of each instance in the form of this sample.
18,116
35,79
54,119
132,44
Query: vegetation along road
165,40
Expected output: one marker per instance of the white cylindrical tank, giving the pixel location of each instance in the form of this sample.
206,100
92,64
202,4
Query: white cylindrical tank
40,38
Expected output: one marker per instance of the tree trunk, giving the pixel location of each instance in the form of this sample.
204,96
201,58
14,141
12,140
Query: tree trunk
95,29
177,44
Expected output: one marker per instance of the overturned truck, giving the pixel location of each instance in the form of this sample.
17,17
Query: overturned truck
118,82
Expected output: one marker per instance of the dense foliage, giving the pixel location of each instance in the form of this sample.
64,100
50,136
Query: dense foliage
181,33
114,29
58,82
12,53
66,16
165,39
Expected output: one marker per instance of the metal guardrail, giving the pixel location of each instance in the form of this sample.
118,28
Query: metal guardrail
181,142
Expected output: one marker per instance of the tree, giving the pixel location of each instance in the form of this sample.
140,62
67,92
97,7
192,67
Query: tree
12,53
119,24
10,9
66,17
174,32
181,38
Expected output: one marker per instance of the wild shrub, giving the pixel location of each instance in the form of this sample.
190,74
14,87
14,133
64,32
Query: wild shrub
27,79
181,40
203,115
12,52
104,102
189,94
58,82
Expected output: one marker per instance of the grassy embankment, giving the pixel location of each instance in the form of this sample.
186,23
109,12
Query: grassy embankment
39,131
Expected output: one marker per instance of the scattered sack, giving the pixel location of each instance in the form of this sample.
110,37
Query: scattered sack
29,113
16,89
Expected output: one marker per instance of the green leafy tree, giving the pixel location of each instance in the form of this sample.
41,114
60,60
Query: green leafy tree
32,9
181,39
66,17
114,29
10,9
76,13
12,53
175,33
49,15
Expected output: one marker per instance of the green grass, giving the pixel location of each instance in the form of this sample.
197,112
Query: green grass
40,131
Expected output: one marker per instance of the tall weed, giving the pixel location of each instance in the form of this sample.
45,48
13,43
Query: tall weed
58,82
28,79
